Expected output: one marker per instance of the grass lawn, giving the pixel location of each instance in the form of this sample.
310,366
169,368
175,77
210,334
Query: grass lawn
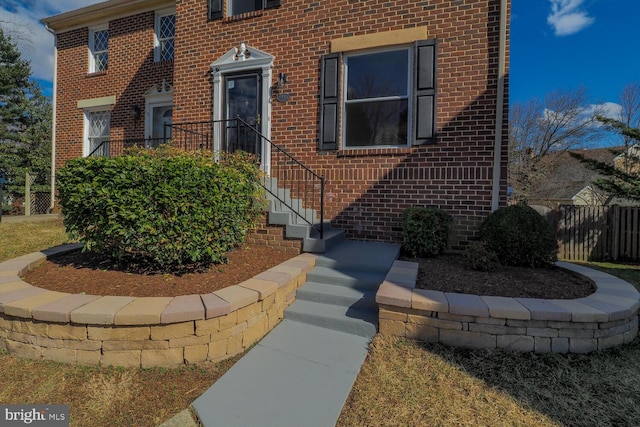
402,383
25,237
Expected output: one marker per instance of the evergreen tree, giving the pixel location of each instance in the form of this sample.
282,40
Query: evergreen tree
25,121
622,178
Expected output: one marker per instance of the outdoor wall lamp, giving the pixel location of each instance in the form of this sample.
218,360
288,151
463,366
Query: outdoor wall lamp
282,80
275,89
135,112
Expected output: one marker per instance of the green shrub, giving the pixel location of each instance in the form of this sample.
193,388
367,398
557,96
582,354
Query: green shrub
425,231
162,208
520,236
479,257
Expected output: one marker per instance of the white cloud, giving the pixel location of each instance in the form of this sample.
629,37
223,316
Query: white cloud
567,17
34,42
606,109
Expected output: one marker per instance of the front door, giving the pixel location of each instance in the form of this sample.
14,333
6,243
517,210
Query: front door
160,116
243,100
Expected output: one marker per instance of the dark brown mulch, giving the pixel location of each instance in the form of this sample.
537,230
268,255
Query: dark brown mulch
78,272
448,273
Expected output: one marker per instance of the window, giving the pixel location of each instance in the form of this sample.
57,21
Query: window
97,131
376,107
389,97
238,7
165,36
99,50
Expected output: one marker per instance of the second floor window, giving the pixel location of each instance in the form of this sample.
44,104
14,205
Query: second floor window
238,7
99,50
165,37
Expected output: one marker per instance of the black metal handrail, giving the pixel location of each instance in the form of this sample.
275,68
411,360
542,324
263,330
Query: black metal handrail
115,147
306,188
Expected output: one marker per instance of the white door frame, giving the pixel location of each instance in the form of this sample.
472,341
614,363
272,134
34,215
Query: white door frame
232,63
154,98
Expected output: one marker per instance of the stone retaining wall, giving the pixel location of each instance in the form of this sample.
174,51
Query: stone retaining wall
142,332
606,318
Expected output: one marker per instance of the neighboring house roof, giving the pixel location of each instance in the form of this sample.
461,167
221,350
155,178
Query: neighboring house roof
568,178
102,12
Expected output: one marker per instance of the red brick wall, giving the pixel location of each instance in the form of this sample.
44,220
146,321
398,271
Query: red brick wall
273,236
131,72
368,189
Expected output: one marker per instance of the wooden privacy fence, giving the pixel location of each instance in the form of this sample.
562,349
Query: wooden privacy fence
598,233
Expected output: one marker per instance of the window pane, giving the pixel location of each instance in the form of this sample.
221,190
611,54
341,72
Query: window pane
236,7
167,26
102,61
167,50
376,123
99,124
377,74
101,40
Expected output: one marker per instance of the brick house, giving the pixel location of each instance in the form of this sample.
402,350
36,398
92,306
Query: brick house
395,104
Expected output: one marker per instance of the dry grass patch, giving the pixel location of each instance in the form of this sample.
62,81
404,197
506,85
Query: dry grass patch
22,238
405,382
107,396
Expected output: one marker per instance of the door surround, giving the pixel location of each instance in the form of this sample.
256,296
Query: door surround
246,58
154,98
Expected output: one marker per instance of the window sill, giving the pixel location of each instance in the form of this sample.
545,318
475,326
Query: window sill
97,74
242,16
362,152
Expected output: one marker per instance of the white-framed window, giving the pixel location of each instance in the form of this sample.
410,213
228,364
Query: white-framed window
98,49
97,128
376,105
165,33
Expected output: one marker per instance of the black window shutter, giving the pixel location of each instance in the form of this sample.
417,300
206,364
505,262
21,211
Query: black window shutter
272,3
424,108
329,101
215,9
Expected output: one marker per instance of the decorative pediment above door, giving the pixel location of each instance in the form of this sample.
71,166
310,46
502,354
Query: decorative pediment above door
242,57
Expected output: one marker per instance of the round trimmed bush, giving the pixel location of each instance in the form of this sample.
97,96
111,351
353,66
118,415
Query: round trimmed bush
164,209
425,231
520,236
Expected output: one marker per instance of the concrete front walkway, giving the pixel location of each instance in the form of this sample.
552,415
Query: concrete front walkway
302,372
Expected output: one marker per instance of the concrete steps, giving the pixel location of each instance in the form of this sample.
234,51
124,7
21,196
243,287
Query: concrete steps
340,291
337,295
299,222
363,323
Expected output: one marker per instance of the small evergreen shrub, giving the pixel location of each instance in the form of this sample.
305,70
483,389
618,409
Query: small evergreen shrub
162,208
425,231
520,236
479,257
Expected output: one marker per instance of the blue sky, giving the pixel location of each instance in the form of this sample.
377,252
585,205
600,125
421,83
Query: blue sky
593,43
555,44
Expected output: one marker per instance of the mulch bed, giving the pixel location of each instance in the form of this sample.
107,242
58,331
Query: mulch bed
448,273
88,273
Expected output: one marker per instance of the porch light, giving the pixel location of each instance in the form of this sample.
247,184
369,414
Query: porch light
135,112
282,80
